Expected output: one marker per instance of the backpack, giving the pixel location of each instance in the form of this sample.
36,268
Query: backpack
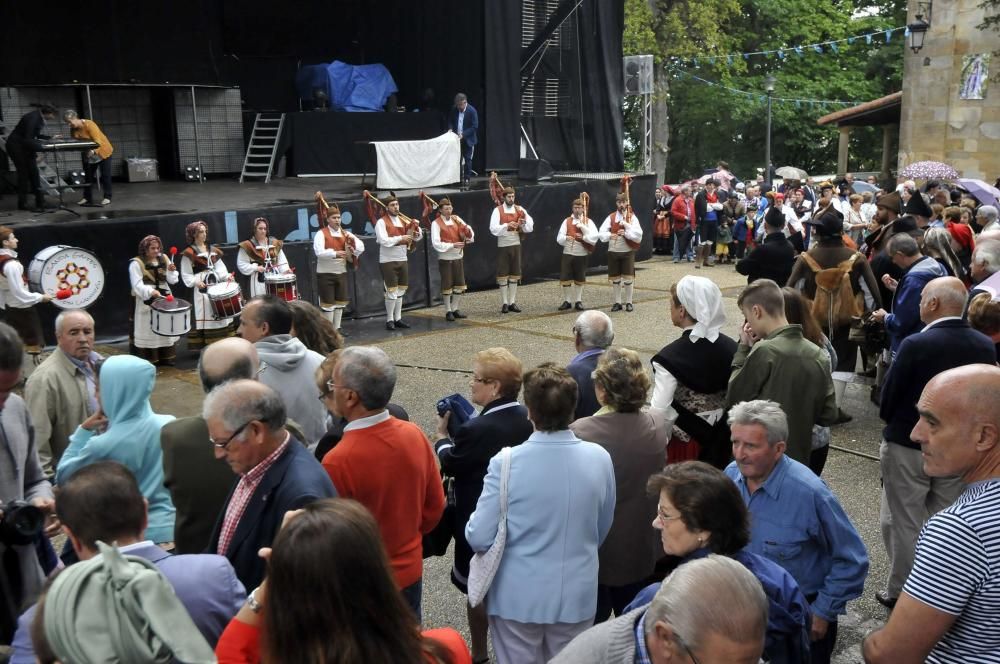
835,302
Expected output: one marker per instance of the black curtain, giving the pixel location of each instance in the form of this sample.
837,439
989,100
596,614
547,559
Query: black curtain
600,28
503,94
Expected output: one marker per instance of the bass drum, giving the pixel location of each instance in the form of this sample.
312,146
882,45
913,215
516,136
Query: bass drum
71,275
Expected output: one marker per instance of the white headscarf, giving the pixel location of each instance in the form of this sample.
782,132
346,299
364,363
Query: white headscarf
703,301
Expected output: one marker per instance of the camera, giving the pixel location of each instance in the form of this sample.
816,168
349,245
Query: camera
21,522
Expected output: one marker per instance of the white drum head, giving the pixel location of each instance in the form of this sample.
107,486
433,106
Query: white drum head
71,275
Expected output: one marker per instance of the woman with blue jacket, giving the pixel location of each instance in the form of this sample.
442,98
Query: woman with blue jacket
125,429
561,502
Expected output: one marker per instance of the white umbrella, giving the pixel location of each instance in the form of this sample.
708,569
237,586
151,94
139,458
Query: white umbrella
791,173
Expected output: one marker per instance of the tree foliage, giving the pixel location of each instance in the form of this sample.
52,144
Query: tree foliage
709,122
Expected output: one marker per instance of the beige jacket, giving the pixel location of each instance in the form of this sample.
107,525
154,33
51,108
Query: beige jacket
56,394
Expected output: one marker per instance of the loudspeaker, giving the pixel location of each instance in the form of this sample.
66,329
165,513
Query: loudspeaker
534,170
638,72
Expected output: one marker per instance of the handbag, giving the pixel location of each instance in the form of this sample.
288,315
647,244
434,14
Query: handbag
483,566
435,543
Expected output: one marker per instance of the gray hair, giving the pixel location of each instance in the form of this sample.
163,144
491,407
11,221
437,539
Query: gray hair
460,97
240,401
595,329
767,414
989,212
712,595
70,114
370,372
988,251
11,348
904,243
66,312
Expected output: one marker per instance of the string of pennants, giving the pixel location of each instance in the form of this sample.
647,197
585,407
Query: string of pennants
832,46
799,103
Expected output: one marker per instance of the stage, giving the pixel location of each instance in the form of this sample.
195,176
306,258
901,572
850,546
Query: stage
229,207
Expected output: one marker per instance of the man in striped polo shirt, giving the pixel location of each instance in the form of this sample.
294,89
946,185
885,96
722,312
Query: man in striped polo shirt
948,609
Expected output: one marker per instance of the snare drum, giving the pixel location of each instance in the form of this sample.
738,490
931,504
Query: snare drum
170,318
72,276
284,285
226,299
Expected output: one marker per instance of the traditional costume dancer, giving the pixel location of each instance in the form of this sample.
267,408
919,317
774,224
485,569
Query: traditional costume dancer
577,235
201,267
335,248
396,234
509,223
449,235
16,300
622,232
259,253
151,274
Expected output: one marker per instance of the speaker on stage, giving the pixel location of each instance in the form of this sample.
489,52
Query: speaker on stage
534,170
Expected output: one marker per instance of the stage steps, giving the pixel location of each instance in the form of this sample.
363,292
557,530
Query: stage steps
263,149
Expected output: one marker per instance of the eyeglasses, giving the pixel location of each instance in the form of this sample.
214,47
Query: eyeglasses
686,647
664,517
225,444
330,388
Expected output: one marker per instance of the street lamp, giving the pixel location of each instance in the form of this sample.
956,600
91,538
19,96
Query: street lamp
769,82
918,29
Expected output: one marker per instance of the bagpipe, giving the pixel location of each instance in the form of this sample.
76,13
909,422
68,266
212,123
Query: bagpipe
372,207
431,206
629,213
578,232
496,193
322,212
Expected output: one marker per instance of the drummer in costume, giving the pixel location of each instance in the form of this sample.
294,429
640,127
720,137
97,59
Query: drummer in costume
151,275
449,235
395,236
577,235
508,223
198,262
622,232
15,298
334,248
259,252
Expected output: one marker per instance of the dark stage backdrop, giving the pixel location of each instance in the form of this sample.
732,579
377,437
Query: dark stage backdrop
116,241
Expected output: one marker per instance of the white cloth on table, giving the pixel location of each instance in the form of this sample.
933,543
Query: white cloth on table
143,335
416,164
203,319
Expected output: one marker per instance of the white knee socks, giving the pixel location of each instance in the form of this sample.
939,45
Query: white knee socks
578,292
512,290
447,302
390,306
629,287
616,289
398,308
338,315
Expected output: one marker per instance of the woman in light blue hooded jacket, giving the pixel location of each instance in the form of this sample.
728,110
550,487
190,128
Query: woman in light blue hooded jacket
131,437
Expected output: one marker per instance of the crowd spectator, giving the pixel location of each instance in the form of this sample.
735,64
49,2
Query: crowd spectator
246,427
62,391
707,208
774,257
684,222
637,443
502,422
985,262
796,520
771,350
937,245
691,373
198,483
331,596
384,463
984,315
313,329
947,610
593,332
289,367
986,218
561,503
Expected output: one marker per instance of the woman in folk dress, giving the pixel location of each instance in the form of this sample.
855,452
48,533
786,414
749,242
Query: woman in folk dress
150,273
255,254
198,262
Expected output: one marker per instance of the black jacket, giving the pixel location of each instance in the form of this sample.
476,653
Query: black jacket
771,260
920,357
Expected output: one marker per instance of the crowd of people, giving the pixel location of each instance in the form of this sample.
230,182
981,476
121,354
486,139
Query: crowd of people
610,510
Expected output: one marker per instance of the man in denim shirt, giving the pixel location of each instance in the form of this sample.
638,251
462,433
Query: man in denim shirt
796,520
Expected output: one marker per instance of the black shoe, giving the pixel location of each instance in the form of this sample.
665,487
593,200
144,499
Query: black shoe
400,324
450,316
868,373
882,597
842,417
343,333
565,305
389,325
514,308
628,306
505,308
459,314
616,306
578,306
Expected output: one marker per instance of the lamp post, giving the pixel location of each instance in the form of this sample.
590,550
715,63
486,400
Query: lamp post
769,82
918,29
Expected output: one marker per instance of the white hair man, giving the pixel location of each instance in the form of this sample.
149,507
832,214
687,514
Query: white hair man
709,610
61,391
593,332
986,217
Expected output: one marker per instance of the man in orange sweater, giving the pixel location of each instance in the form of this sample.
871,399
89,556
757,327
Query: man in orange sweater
384,463
98,159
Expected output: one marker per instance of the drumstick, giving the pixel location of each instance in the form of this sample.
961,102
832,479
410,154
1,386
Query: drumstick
173,252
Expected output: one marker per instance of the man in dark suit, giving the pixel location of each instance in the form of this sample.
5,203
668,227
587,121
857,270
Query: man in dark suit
910,496
593,332
775,257
464,121
198,482
246,424
22,147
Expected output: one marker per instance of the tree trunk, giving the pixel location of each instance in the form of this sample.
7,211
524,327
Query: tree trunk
661,117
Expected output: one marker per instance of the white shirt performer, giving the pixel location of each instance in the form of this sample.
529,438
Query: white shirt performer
15,298
623,233
199,260
395,237
508,223
449,235
260,253
334,248
577,235
151,274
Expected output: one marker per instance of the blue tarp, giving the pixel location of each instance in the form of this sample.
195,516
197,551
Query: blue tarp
350,87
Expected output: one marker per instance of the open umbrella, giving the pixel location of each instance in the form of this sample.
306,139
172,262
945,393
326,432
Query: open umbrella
929,170
791,173
860,187
985,193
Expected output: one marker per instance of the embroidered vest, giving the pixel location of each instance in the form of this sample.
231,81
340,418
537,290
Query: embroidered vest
453,233
154,274
618,226
200,263
577,235
256,256
331,241
391,229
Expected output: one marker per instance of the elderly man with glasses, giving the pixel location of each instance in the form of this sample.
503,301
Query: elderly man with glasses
246,425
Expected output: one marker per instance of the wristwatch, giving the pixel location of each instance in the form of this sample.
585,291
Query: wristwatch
252,602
